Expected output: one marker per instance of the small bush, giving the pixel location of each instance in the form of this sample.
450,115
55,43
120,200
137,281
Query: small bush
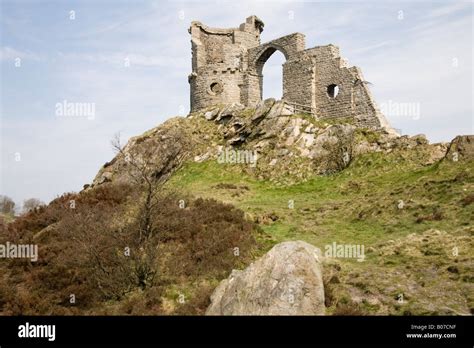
469,199
351,308
197,303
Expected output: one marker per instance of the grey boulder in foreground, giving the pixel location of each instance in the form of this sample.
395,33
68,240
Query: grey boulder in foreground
285,281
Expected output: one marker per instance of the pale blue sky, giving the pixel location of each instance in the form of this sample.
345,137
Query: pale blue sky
418,53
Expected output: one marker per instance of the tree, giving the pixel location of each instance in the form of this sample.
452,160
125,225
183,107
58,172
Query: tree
126,256
7,205
31,204
142,171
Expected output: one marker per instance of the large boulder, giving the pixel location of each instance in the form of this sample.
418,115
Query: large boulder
285,281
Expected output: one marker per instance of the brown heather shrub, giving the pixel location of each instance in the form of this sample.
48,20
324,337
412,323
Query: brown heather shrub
147,302
204,235
345,309
435,216
82,252
197,303
34,221
63,268
469,199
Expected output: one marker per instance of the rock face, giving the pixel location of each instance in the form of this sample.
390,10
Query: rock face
288,144
163,149
461,148
285,281
288,147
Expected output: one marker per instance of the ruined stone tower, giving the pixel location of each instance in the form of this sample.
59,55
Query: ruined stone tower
227,67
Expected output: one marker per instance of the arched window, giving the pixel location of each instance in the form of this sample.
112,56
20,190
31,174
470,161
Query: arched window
272,81
269,68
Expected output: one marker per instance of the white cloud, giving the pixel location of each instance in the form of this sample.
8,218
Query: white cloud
9,53
124,59
449,9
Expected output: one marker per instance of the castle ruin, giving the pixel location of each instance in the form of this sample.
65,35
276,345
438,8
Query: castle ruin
227,67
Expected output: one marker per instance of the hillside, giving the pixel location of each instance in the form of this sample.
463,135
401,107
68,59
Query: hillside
188,194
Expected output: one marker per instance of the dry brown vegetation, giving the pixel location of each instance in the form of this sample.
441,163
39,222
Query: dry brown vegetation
92,246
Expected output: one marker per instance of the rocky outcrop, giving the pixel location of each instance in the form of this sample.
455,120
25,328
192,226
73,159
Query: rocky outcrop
288,147
426,153
461,148
288,144
333,148
286,281
163,149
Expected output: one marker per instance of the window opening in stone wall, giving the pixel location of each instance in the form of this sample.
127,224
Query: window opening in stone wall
333,91
216,88
272,81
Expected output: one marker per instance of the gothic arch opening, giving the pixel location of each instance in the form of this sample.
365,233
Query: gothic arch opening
269,68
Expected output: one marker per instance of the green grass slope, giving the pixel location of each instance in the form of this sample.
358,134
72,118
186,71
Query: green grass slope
414,221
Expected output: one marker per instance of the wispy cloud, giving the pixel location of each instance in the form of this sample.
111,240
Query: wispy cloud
125,59
375,46
10,54
449,9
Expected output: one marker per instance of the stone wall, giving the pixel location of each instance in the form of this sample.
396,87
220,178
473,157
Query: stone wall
219,59
228,63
